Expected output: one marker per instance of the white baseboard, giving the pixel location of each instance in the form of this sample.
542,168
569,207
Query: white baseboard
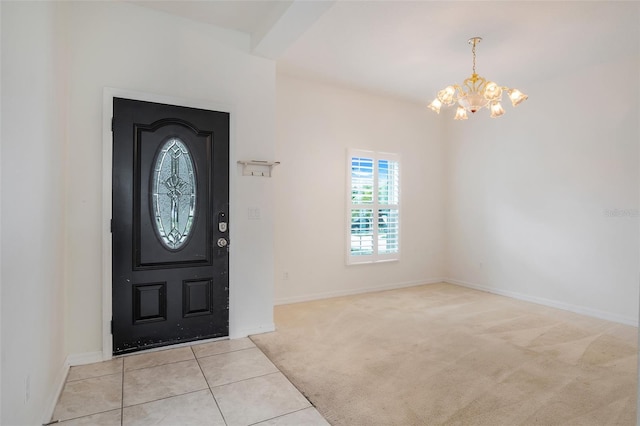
84,358
264,328
349,292
60,380
548,302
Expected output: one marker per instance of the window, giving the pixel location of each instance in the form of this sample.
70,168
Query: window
373,207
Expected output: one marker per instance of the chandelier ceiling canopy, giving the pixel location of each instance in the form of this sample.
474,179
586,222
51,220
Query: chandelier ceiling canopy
476,93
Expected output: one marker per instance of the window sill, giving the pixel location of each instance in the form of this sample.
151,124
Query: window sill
369,262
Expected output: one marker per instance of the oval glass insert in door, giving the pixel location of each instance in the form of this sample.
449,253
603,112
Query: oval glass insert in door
173,194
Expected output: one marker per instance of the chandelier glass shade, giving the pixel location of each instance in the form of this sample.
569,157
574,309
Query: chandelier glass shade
476,93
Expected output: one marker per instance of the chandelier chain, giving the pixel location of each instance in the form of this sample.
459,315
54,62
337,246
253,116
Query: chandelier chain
473,50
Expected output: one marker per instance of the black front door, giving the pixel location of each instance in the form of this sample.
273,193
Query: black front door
170,225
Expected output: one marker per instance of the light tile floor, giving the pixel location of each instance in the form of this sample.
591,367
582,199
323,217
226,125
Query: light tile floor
226,383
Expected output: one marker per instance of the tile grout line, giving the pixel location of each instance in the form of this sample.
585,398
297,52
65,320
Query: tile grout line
210,391
56,421
192,351
160,365
195,358
88,377
224,353
250,378
92,377
166,397
282,415
218,406
88,414
311,404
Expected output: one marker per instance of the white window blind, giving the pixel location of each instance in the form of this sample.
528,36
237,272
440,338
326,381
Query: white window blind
373,207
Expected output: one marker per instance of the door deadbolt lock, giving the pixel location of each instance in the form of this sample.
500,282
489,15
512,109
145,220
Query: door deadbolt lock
222,222
222,242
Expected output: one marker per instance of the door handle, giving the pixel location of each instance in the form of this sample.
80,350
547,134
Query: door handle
223,228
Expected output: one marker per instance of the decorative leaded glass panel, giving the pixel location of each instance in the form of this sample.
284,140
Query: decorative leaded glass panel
173,193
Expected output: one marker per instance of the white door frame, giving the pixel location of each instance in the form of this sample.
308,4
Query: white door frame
107,173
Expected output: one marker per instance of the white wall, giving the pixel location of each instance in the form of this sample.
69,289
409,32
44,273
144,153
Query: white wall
1,356
543,202
125,46
57,58
316,124
32,216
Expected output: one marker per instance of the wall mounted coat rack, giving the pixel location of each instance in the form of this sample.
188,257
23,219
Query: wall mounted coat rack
258,167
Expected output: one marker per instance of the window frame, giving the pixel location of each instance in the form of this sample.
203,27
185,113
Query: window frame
376,257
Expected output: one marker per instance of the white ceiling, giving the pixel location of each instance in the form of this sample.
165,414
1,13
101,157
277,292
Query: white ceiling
411,49
243,16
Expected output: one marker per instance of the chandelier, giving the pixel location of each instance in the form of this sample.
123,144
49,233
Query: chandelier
476,93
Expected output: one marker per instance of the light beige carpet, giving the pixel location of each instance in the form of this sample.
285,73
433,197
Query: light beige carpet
443,354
